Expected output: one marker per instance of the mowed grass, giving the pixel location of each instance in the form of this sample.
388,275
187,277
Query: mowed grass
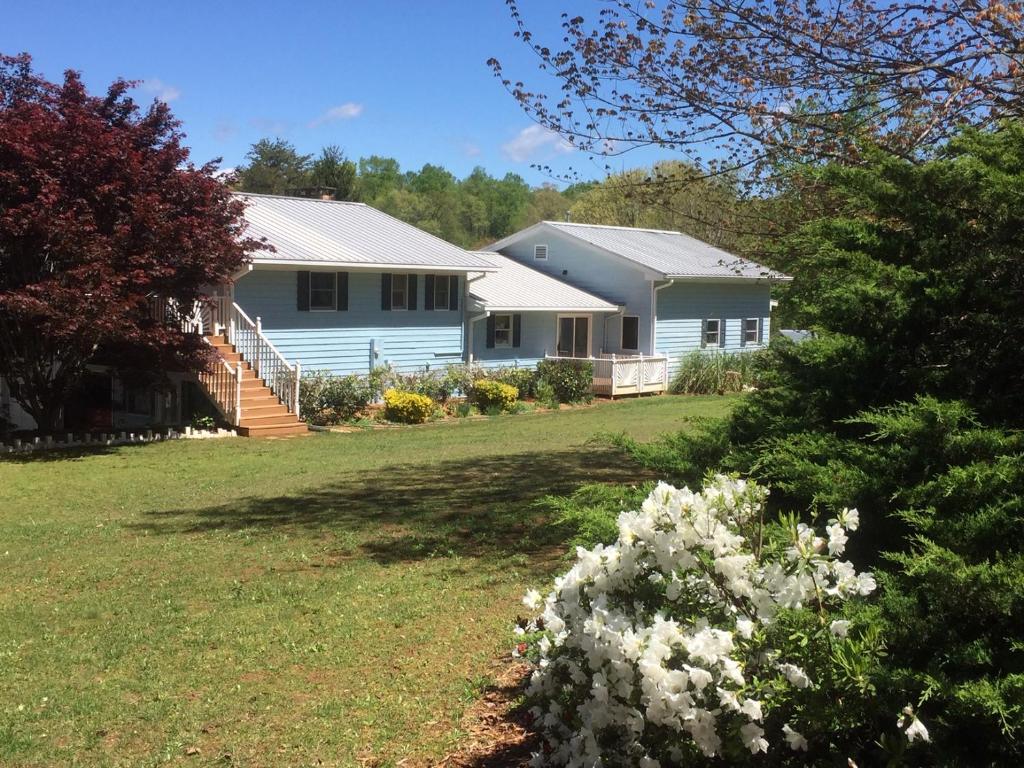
329,600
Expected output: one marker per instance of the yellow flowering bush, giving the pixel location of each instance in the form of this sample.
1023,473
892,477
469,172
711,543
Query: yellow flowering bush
494,394
407,407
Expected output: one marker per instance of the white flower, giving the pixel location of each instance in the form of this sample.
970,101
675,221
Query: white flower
745,627
752,709
836,539
912,727
850,518
839,627
753,738
795,739
533,600
795,675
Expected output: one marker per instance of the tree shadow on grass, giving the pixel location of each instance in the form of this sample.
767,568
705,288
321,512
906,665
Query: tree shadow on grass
406,512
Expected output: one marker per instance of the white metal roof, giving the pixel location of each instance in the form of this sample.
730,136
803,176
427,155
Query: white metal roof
670,254
516,287
327,232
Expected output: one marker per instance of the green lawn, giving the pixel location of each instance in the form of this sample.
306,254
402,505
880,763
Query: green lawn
335,598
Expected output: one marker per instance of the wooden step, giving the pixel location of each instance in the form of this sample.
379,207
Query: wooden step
251,419
275,430
260,408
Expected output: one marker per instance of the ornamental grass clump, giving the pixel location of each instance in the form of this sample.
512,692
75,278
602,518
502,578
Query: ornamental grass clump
700,635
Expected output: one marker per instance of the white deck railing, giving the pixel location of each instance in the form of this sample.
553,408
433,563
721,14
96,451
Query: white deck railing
616,375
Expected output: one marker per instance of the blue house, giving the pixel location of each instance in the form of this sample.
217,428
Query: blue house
674,293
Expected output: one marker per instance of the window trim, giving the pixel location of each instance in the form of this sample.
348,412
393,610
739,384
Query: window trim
756,329
404,276
510,330
590,333
705,342
622,333
334,292
536,247
444,280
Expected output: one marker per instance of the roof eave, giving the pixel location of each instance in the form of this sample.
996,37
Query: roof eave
371,267
727,278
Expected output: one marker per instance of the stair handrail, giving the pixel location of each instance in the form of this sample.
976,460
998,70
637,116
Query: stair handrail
223,382
266,360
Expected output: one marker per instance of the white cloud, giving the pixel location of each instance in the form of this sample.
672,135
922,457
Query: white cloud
533,141
346,111
469,149
163,91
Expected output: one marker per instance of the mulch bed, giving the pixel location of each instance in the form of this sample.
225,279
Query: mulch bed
498,732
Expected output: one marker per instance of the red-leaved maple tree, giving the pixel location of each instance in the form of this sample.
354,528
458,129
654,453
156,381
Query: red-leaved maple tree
101,217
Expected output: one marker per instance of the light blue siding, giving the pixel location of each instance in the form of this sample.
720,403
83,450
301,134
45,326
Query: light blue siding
539,337
683,306
343,342
606,276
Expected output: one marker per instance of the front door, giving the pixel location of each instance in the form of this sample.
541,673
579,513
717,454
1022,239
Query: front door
574,336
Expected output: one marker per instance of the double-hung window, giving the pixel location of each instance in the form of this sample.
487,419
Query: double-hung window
399,292
323,291
712,333
442,287
751,330
503,330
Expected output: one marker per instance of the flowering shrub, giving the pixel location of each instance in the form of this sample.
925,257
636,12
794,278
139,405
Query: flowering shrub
493,394
326,399
407,407
700,634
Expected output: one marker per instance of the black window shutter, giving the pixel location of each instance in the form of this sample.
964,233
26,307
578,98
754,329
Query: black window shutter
453,293
517,330
428,291
721,333
760,330
490,331
342,285
703,333
302,295
385,291
411,301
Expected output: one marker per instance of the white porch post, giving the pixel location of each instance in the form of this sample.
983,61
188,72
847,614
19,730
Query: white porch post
238,395
298,383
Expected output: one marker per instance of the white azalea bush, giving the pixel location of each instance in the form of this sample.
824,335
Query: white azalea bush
700,634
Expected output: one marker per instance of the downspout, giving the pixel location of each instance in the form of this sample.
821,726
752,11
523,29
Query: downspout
654,311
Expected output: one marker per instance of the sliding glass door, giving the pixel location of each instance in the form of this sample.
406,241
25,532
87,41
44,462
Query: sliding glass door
574,336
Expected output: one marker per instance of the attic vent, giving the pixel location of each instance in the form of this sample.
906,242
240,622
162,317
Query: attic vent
540,252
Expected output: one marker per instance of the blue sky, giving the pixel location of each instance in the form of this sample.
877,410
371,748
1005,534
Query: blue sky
402,78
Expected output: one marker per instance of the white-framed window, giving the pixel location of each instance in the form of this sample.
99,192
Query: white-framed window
630,332
712,333
573,336
540,252
323,291
442,285
399,292
752,330
503,330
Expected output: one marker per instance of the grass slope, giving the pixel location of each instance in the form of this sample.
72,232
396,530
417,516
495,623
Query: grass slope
336,598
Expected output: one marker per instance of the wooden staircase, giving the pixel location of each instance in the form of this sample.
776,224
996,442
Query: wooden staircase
263,413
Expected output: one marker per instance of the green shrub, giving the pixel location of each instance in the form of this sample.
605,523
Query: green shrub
708,373
487,394
571,380
325,399
462,410
407,407
523,379
545,395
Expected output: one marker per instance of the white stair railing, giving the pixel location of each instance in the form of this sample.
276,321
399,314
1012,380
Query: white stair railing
269,364
223,382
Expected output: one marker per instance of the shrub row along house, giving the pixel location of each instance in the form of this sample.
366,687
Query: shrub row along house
348,288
